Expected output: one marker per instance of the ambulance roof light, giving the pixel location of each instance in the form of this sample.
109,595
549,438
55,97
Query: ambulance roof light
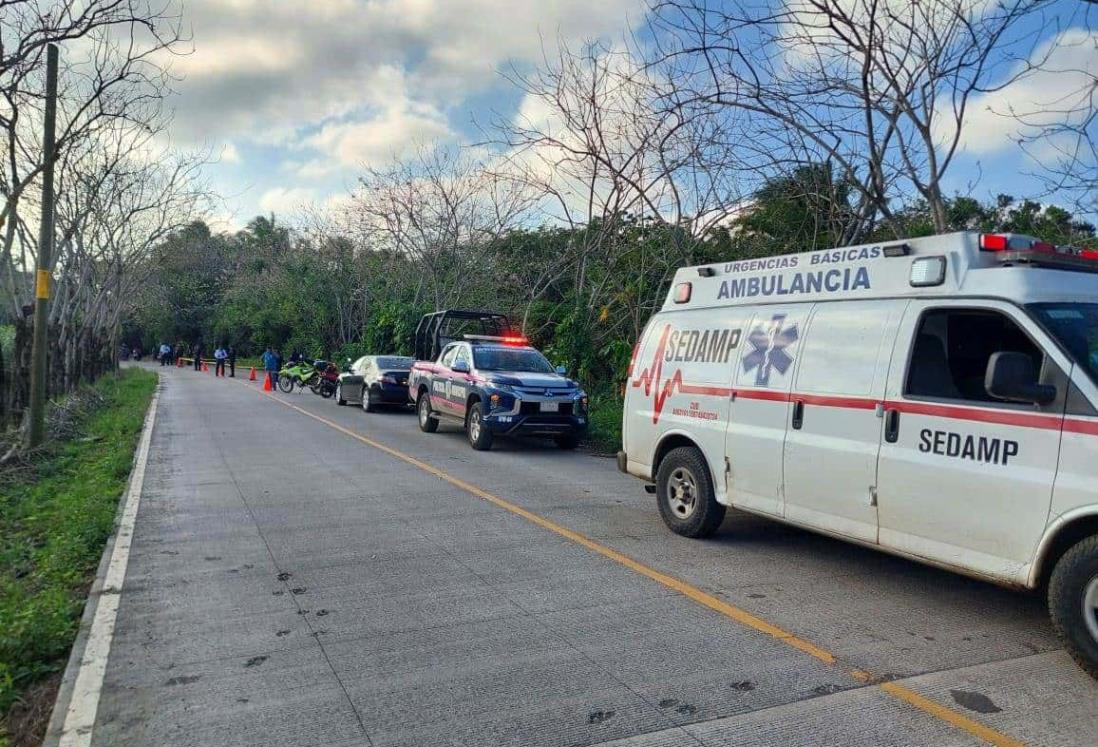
994,242
1043,254
706,272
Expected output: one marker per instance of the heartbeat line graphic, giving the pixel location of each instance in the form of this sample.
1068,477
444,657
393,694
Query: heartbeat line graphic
650,379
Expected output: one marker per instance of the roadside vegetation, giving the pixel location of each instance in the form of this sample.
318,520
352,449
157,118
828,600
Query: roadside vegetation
581,295
57,509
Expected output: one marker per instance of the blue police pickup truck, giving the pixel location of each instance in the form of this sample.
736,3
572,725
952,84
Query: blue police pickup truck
497,385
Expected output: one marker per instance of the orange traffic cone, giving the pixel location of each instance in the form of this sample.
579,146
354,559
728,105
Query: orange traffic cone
251,376
205,368
267,383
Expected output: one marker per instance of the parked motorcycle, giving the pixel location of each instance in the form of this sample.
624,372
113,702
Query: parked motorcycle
325,383
302,374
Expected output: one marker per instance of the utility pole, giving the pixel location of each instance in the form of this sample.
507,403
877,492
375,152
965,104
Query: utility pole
36,431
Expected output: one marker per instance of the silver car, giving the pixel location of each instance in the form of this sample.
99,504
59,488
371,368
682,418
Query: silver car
375,381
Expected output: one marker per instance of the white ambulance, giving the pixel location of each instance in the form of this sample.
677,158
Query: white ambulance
936,398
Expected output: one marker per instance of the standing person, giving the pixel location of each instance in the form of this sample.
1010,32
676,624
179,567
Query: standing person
270,365
232,361
219,356
165,354
198,356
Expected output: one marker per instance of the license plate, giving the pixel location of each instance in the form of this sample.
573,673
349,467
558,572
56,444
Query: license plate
550,407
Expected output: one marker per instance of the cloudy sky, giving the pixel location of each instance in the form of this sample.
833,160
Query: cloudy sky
296,95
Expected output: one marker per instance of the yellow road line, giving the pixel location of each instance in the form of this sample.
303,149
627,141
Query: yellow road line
743,617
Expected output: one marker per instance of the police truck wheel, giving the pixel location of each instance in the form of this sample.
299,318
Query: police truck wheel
1073,603
428,423
684,493
286,384
339,395
480,438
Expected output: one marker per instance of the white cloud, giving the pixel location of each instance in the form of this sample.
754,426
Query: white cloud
1040,98
283,200
397,124
229,154
265,71
313,89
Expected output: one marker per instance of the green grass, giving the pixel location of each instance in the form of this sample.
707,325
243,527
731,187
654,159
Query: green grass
54,523
604,433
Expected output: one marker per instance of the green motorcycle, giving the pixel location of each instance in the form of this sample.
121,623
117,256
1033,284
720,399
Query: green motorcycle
301,374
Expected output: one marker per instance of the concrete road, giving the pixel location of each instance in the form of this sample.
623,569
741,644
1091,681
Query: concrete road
298,578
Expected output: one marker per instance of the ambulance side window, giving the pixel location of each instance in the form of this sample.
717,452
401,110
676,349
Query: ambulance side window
951,349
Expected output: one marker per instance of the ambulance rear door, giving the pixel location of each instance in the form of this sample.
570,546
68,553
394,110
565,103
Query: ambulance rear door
835,420
760,411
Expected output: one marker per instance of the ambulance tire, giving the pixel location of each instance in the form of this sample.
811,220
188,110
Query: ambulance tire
1073,603
685,496
428,423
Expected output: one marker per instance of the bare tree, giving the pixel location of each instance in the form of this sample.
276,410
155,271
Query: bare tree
1060,131
596,136
878,89
113,74
434,208
120,188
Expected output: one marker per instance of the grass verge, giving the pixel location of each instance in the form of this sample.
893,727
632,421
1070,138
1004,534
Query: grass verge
604,431
55,518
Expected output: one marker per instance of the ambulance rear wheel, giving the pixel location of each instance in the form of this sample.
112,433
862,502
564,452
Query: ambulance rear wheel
1073,603
428,423
684,494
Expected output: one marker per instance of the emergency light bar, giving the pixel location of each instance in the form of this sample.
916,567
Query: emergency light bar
505,339
1012,250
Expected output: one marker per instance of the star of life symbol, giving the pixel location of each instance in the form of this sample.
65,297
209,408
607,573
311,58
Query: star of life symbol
769,342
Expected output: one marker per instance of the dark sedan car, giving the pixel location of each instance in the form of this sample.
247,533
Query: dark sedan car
375,381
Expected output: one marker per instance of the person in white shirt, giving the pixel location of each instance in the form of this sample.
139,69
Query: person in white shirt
220,355
165,354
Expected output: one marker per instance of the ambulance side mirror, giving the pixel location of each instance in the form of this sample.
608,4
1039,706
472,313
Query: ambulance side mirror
1012,377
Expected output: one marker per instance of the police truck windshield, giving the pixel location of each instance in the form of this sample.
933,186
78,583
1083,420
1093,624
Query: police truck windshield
510,359
1075,325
